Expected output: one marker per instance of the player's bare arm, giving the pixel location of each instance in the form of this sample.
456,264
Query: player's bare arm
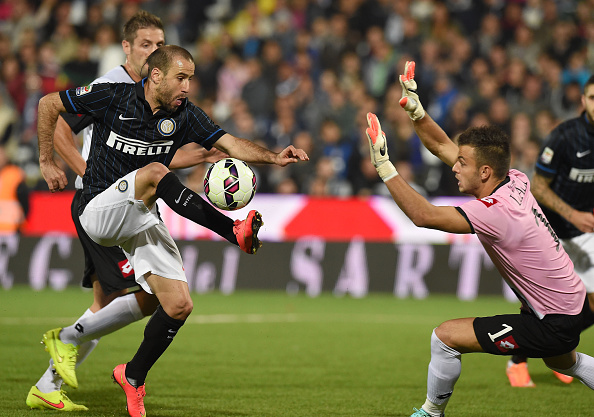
424,214
193,154
415,206
541,189
436,140
50,107
66,148
432,136
252,153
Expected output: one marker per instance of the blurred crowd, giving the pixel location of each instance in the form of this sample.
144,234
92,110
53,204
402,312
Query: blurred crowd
306,72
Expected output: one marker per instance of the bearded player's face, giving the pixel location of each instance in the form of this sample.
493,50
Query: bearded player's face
175,85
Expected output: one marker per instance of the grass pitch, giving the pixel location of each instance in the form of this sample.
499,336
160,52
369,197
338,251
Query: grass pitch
267,354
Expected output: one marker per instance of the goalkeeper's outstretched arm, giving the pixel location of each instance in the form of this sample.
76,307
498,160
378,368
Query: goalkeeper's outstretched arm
432,136
415,206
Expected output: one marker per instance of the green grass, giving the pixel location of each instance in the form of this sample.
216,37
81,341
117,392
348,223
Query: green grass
268,354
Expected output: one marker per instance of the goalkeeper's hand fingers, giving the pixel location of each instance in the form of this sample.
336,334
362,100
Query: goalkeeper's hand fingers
410,99
374,129
378,148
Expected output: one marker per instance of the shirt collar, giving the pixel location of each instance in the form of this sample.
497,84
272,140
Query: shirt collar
501,184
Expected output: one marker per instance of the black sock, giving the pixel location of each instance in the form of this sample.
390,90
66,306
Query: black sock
158,335
190,205
518,359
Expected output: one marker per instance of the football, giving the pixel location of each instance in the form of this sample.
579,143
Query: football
230,184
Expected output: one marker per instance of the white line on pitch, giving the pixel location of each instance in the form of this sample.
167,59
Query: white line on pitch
248,318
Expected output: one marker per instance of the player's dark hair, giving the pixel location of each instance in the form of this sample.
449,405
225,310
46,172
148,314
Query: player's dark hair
164,56
589,83
491,147
141,20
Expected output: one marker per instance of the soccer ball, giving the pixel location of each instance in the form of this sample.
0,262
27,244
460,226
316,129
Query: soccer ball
230,184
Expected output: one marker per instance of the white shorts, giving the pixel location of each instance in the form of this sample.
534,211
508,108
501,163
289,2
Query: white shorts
581,252
115,218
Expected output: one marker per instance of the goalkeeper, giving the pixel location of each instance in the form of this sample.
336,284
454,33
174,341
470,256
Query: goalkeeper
511,226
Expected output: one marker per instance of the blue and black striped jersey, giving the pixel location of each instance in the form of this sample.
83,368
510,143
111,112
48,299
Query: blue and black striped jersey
567,157
127,135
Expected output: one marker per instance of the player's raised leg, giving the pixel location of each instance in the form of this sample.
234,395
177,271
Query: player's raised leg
156,181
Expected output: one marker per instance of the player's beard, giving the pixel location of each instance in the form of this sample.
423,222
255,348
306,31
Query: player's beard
165,98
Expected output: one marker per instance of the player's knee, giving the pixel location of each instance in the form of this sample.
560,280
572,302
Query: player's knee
182,309
440,347
154,172
442,332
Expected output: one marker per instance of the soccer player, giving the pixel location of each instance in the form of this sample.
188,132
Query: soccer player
137,129
117,298
563,184
519,240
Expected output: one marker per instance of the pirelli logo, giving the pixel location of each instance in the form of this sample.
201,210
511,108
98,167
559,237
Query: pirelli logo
581,175
138,147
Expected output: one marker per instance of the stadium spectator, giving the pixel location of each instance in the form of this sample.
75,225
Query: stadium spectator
14,195
319,53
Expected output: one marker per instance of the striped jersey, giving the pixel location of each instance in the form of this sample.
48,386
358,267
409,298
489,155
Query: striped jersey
567,157
85,123
128,136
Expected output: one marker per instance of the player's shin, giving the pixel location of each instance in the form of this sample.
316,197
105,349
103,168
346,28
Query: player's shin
190,205
444,371
117,314
583,369
158,335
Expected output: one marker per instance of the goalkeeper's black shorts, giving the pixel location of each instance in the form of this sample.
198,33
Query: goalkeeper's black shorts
526,335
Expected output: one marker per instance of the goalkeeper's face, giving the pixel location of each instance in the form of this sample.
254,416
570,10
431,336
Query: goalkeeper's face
588,102
467,172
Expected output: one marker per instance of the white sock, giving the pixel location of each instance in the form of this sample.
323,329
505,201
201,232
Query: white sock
50,380
444,370
583,369
85,350
117,314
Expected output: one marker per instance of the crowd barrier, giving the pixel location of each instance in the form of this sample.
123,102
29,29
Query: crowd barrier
311,245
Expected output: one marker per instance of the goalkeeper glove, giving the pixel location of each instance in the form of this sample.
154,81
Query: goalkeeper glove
378,148
410,99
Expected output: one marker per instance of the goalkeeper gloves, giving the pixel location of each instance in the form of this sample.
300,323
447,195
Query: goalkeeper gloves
410,99
378,149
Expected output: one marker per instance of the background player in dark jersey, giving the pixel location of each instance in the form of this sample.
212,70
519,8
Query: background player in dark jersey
510,225
137,129
563,184
107,269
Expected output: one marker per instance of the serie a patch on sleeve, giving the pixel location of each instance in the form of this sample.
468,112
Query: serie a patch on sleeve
547,155
81,91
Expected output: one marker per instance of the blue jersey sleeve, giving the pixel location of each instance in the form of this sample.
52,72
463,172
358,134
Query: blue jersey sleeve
203,130
91,99
551,154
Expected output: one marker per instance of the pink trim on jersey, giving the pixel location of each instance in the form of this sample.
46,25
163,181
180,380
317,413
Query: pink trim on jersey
525,249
